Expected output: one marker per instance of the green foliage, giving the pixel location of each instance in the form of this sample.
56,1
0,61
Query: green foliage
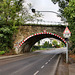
70,16
36,48
38,42
5,38
62,44
7,51
46,44
12,15
67,10
10,11
54,42
50,45
2,52
43,49
57,46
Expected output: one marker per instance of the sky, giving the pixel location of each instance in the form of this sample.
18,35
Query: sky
46,5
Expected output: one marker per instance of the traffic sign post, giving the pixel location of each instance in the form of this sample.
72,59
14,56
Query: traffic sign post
67,53
66,35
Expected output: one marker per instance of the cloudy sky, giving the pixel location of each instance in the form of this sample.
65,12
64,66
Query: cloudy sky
46,5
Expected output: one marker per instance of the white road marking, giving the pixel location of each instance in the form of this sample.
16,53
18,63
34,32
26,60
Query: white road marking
43,66
46,63
48,60
36,73
53,56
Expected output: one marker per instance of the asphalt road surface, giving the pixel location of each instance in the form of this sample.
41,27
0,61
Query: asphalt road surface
39,63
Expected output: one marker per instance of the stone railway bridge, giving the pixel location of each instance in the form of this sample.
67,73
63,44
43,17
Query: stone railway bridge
28,35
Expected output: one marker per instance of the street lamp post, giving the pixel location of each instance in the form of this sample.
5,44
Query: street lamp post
33,10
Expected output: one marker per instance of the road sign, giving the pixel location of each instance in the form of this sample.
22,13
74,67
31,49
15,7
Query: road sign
44,31
66,33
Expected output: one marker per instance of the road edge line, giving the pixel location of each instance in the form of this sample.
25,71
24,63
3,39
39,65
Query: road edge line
57,63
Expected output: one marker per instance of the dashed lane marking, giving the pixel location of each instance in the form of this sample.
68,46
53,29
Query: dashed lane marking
53,56
43,66
48,60
36,73
46,63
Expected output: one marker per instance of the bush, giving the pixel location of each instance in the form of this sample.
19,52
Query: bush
54,42
50,45
2,52
57,46
7,51
62,44
72,51
36,48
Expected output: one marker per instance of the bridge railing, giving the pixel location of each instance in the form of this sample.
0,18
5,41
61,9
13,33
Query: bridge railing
45,23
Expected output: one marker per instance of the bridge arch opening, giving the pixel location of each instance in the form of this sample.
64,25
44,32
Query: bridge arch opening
26,44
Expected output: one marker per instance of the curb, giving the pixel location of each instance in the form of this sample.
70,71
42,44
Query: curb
5,57
57,63
12,56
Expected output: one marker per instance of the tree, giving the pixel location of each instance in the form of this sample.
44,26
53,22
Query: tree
54,42
50,45
1,0
9,18
38,42
70,16
46,44
12,13
62,44
67,9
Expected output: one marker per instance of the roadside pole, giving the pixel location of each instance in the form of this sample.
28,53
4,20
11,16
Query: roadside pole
67,52
67,35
